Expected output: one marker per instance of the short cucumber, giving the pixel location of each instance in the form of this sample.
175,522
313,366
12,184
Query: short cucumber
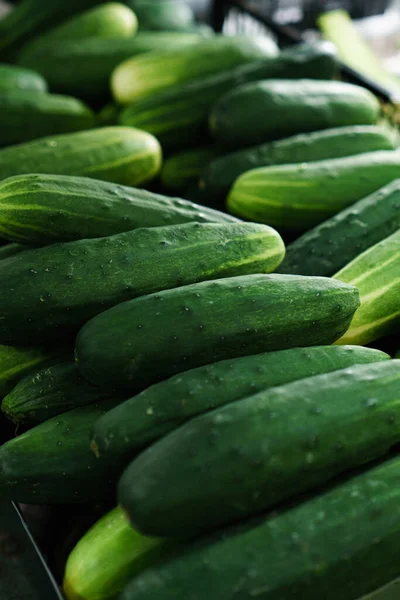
163,407
346,538
221,173
376,273
269,110
16,363
27,116
52,291
163,15
210,321
43,209
118,154
300,196
330,246
183,168
13,77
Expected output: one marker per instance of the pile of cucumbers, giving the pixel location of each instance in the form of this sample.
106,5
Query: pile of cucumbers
199,305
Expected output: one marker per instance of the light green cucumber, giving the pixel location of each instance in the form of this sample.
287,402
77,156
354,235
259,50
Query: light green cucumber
13,77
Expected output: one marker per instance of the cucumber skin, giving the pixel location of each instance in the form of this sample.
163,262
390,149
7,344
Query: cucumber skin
198,324
328,247
178,117
221,173
52,291
13,77
143,419
16,363
12,249
348,529
43,209
184,168
27,116
163,15
296,205
280,108
116,154
376,272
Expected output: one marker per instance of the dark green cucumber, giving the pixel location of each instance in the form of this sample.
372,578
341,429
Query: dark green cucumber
262,450
118,154
163,15
11,249
43,209
52,463
328,247
183,168
49,392
52,291
16,363
205,322
300,196
269,110
346,538
178,117
221,173
163,407
27,116
13,77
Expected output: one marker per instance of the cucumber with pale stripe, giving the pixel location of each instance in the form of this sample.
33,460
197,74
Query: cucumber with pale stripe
376,273
43,209
13,77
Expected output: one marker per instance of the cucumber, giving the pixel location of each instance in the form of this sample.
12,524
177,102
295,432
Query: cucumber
49,392
13,77
376,273
52,291
210,321
11,249
330,246
63,470
108,115
220,174
107,557
16,363
27,116
300,196
42,209
163,15
142,76
345,538
117,154
269,110
178,117
83,67
183,168
141,420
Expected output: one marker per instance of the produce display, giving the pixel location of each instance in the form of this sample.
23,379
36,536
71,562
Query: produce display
199,306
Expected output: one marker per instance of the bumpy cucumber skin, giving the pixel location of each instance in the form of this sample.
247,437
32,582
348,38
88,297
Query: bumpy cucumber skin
328,247
16,363
221,173
27,116
13,77
262,110
163,407
43,209
244,458
52,291
300,196
118,154
346,538
376,273
178,117
158,335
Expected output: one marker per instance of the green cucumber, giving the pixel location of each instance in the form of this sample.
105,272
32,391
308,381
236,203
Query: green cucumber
247,457
13,77
118,154
269,110
210,321
376,273
52,462
300,196
330,246
221,173
346,538
16,363
183,168
49,392
51,291
27,116
43,209
107,557
142,76
108,115
163,15
83,67
11,249
178,117
163,407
